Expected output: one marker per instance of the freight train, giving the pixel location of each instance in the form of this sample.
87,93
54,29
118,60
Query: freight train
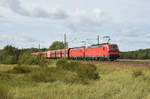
105,51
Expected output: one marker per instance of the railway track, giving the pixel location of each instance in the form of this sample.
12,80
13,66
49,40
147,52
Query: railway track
122,62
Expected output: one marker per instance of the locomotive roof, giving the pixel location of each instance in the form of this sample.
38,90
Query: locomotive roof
93,46
99,45
77,47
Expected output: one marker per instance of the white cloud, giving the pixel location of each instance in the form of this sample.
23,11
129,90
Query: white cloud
52,13
21,41
128,31
75,19
81,20
16,7
98,13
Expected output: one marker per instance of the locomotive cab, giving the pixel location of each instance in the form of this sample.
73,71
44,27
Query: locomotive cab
113,52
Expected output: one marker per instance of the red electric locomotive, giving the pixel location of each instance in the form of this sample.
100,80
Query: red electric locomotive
102,51
95,52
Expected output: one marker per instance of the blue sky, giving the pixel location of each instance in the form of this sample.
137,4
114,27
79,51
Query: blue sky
26,23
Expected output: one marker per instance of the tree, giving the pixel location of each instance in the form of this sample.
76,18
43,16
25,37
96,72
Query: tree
57,45
9,55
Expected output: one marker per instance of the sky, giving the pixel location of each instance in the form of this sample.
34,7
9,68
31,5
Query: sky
28,23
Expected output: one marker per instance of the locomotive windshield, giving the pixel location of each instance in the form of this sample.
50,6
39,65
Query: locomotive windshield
113,47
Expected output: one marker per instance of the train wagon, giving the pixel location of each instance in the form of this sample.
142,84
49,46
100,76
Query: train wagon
65,53
54,54
48,55
37,53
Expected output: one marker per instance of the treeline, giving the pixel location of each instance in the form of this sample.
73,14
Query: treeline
139,54
12,55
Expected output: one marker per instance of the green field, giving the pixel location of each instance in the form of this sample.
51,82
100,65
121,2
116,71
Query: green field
116,82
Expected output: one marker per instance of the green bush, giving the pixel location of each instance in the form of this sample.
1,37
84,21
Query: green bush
71,77
6,59
27,59
85,72
21,69
88,71
39,76
54,74
62,63
9,55
73,66
4,92
42,61
68,72
5,76
136,73
45,74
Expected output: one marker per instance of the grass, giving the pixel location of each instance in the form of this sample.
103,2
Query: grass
116,82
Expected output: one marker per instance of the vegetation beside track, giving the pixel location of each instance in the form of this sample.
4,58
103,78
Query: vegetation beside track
139,54
116,82
12,55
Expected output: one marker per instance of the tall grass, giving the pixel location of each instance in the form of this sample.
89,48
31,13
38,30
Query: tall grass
4,92
114,83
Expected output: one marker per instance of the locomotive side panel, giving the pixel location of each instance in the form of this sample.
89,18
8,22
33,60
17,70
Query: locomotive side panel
77,53
97,52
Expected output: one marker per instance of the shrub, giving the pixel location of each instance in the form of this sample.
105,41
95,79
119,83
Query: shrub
5,76
39,76
6,59
88,71
136,73
85,72
27,59
4,92
21,69
42,61
9,55
68,72
45,75
62,63
70,77
73,65
54,74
